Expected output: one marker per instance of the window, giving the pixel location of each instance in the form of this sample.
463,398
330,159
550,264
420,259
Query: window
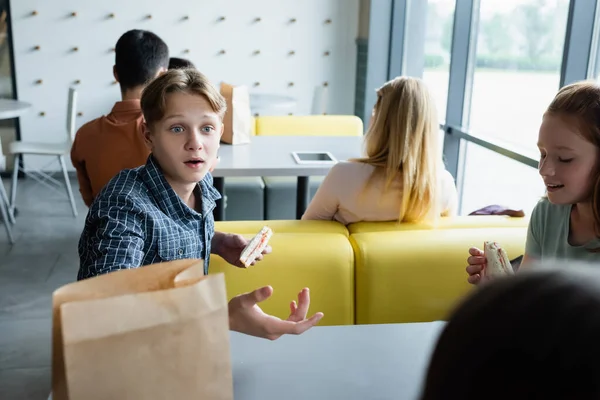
491,178
594,72
440,20
517,68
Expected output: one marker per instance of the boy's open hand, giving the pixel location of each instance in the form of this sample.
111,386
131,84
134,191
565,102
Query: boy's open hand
245,315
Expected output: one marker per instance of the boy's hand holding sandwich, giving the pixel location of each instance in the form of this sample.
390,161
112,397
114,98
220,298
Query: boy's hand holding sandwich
231,246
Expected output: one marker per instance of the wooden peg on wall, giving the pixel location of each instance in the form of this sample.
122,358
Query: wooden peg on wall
221,19
114,82
326,53
292,20
75,49
186,17
328,21
325,84
77,81
79,114
256,84
221,52
111,15
257,19
34,13
290,84
42,113
37,48
256,52
39,82
149,16
73,14
256,114
291,53
186,51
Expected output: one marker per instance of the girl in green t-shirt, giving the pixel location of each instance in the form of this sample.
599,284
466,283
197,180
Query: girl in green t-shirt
566,223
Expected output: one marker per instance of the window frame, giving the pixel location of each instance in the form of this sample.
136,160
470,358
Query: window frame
581,60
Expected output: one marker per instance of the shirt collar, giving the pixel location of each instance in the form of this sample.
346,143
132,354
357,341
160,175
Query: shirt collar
127,106
168,200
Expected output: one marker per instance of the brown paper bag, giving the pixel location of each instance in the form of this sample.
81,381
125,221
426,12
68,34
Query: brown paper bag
237,123
156,332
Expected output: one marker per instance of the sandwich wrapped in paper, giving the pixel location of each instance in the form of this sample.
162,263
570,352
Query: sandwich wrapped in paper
256,246
497,262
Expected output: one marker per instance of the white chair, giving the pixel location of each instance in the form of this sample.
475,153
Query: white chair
5,214
59,150
319,103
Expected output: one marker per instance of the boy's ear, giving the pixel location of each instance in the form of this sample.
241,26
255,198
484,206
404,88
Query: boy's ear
147,135
115,73
222,129
160,71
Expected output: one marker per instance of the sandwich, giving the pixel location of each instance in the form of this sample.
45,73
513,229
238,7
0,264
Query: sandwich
497,262
256,246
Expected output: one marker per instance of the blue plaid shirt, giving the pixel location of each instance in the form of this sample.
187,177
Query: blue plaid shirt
138,219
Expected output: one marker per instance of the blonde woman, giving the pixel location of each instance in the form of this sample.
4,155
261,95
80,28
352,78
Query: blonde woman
402,176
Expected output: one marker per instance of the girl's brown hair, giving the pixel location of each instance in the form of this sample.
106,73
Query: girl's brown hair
580,102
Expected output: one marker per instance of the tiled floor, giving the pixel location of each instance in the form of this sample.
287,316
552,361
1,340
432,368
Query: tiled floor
43,258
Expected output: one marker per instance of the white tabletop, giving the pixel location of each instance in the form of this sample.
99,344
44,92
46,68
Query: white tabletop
338,362
13,108
272,155
335,362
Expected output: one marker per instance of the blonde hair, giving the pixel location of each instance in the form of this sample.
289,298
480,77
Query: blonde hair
187,80
580,101
402,142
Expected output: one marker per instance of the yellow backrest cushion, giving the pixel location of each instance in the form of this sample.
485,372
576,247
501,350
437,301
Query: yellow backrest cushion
282,226
460,222
419,276
309,125
322,262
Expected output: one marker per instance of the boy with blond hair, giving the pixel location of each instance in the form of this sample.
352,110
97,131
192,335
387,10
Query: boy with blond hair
162,211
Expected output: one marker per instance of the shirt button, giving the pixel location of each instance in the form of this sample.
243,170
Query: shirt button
180,251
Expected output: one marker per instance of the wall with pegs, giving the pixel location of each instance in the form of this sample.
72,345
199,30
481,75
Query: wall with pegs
283,47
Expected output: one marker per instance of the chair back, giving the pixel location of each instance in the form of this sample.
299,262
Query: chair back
319,103
71,114
309,125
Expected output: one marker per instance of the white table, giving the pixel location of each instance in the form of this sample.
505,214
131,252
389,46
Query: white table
338,362
13,108
335,362
260,102
272,156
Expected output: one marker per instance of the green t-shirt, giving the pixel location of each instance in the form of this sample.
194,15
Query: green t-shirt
548,235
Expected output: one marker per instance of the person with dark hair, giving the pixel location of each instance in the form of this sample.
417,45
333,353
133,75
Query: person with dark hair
531,336
180,63
105,146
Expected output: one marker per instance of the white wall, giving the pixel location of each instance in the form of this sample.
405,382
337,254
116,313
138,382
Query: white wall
94,33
